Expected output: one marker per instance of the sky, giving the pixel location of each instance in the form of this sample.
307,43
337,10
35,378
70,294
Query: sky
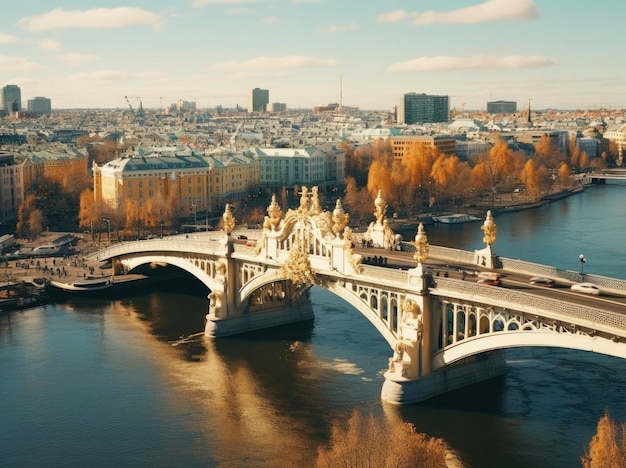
551,54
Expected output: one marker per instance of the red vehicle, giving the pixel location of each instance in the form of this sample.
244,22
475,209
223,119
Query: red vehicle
489,281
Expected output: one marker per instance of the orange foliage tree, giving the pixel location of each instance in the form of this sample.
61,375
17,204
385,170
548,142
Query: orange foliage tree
372,442
88,213
607,447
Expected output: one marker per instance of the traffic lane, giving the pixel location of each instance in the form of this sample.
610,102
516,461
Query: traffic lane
513,280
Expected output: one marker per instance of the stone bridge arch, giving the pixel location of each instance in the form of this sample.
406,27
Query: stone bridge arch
210,272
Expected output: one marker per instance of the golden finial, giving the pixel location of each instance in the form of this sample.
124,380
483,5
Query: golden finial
229,220
381,207
421,245
316,208
489,228
275,214
340,218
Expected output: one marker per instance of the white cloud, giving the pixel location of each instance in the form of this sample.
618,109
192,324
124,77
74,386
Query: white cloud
7,39
477,62
272,20
49,44
93,18
8,63
75,59
491,10
201,3
274,63
338,28
109,75
393,16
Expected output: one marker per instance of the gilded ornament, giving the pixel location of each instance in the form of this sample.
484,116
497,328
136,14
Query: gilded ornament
340,218
229,220
421,245
489,228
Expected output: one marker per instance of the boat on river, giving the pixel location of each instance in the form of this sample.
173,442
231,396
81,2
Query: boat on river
455,218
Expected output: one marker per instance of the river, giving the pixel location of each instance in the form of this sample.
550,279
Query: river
134,382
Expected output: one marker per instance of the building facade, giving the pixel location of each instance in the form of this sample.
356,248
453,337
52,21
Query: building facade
423,108
276,107
11,186
258,100
401,146
11,99
322,166
39,106
177,177
232,177
502,107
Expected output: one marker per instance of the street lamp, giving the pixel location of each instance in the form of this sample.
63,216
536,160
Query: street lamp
108,221
195,213
582,259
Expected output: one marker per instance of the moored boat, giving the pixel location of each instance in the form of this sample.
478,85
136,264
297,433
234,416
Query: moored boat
455,218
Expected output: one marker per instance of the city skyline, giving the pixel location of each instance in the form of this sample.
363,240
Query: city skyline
314,52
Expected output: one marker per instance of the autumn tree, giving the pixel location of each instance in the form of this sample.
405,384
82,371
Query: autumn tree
363,442
358,202
22,227
36,222
607,447
548,153
380,172
450,176
530,178
88,214
564,175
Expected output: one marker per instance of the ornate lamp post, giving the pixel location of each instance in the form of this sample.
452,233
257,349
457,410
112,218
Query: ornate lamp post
108,221
582,259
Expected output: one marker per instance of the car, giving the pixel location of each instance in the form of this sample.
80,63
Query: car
542,281
586,288
489,281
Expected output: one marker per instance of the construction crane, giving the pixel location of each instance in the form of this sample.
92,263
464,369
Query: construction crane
139,114
132,111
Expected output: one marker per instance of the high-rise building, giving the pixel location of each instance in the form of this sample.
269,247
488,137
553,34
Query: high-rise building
11,99
423,108
502,107
39,105
258,100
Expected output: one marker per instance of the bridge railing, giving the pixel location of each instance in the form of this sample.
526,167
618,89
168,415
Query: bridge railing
600,320
443,253
537,269
211,247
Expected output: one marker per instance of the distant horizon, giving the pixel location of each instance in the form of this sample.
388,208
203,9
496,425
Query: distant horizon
311,52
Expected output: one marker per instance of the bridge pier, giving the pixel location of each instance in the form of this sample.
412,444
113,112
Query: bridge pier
218,327
406,391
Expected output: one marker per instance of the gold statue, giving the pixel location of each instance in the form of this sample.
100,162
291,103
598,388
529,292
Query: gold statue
340,218
381,207
229,220
275,214
489,228
421,245
304,200
316,208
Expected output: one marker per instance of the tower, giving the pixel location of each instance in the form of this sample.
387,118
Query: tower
11,99
258,100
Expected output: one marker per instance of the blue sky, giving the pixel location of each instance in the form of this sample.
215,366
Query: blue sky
564,54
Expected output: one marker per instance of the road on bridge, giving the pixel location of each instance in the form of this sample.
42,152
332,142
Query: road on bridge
512,280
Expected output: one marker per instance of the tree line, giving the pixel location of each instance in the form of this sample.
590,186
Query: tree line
427,180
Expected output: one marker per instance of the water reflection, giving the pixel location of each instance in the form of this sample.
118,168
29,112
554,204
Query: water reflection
264,394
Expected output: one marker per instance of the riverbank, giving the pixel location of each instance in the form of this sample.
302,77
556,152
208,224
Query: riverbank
496,207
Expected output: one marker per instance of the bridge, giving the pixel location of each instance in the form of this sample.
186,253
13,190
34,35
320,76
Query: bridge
445,331
601,176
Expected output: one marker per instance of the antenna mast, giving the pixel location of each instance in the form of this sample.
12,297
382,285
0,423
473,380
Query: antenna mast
340,91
